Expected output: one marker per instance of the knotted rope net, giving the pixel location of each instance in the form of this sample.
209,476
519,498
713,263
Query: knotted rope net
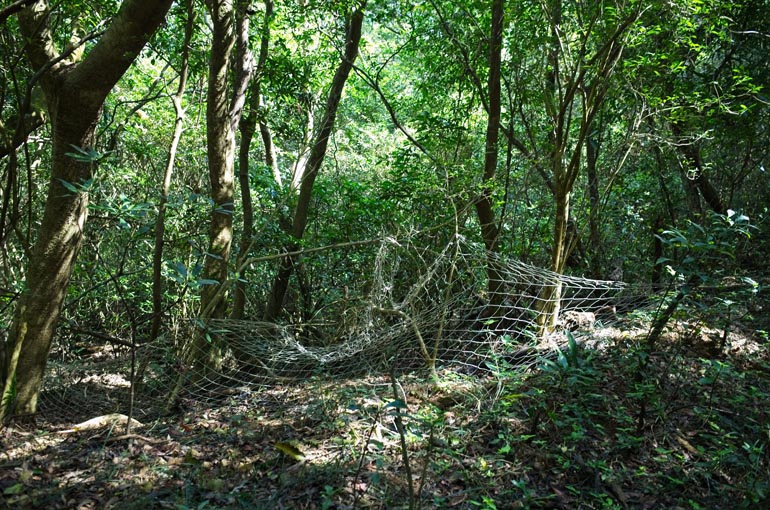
419,310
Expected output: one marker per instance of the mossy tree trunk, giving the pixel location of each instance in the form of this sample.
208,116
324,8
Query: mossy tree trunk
230,54
220,150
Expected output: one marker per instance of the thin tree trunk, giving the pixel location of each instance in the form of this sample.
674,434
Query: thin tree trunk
660,168
555,106
247,130
317,154
565,86
694,178
247,127
301,163
160,224
664,315
484,207
550,296
74,95
594,234
270,158
657,253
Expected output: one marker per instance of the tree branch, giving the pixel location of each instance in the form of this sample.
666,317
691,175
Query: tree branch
126,36
7,12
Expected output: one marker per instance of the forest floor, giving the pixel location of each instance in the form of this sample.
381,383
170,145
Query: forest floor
686,426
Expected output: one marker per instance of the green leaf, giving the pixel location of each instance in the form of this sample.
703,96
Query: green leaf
70,187
14,490
181,269
85,155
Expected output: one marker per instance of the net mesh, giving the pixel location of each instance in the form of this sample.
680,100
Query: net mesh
419,310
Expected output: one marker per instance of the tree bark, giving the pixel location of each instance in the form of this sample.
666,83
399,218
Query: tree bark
220,148
484,207
656,278
223,113
18,5
271,160
315,160
160,224
248,127
74,96
594,234
299,168
692,197
701,181
694,178
550,297
565,86
247,130
555,107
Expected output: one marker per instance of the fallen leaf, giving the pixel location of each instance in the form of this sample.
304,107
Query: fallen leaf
289,450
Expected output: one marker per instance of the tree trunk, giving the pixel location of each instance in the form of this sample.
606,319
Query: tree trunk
555,107
550,297
569,88
692,197
694,171
317,154
660,168
484,208
220,148
657,253
74,95
223,113
10,10
594,234
160,224
248,128
270,158
707,190
303,156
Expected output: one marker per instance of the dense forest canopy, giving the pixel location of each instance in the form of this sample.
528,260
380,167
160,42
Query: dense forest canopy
168,163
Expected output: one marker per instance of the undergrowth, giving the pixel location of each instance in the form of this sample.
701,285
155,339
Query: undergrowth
616,428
